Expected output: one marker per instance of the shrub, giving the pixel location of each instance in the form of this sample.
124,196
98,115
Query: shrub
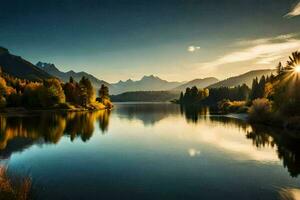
227,106
260,111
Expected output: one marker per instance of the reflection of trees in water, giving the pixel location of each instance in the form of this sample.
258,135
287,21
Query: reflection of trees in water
104,120
49,128
194,113
287,144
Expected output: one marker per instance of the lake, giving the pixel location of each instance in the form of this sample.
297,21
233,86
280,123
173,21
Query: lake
150,151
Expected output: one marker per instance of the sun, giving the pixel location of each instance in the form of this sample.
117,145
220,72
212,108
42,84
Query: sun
297,68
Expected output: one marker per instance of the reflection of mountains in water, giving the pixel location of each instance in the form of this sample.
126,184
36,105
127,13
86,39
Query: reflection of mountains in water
18,133
149,114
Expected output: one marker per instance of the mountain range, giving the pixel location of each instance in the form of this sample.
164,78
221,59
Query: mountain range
65,76
147,83
21,68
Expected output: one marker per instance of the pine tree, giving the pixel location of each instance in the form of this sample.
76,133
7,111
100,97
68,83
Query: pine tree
71,80
261,87
181,97
103,92
279,68
254,89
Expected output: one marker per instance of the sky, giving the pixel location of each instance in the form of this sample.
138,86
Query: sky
177,40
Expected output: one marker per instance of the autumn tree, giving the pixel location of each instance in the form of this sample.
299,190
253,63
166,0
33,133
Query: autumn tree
51,93
86,91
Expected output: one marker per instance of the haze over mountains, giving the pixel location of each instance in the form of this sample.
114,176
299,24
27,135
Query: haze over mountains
199,83
21,68
147,83
246,78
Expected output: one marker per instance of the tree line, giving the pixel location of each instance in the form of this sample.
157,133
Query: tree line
273,99
195,96
50,93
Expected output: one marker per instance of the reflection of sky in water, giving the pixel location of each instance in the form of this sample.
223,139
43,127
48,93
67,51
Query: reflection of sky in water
170,158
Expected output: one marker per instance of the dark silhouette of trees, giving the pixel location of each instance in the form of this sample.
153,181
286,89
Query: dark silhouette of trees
103,92
258,89
212,96
279,68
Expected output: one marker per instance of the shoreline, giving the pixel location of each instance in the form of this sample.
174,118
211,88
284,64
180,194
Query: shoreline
21,111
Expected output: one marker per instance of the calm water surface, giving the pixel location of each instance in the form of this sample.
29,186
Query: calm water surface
150,151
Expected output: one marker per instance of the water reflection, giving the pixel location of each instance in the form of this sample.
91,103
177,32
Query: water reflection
286,143
148,113
17,133
194,113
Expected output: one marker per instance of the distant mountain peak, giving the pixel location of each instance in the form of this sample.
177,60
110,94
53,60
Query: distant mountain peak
47,66
146,83
150,77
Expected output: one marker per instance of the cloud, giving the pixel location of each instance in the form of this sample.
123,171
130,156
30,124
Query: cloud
259,51
193,48
294,12
258,41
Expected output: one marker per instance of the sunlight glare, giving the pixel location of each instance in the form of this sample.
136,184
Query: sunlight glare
297,68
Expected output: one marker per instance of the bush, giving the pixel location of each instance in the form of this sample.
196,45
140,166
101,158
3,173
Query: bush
227,106
261,111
